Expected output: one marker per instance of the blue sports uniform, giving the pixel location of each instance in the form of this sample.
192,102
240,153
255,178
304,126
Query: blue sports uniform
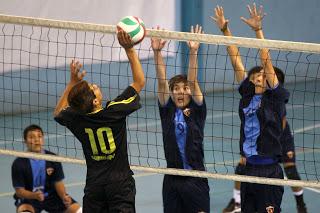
261,118
182,133
34,175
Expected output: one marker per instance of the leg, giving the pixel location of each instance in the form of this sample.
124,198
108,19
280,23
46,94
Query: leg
269,196
171,200
194,193
289,164
25,208
74,208
122,196
240,170
248,198
54,204
95,200
292,173
234,205
25,205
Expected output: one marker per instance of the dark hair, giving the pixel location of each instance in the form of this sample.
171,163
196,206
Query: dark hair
280,74
29,128
81,97
278,71
254,70
177,79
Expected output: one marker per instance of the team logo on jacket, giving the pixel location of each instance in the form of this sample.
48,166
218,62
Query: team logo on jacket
50,171
187,112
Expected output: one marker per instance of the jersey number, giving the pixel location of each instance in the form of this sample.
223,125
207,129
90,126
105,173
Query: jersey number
106,154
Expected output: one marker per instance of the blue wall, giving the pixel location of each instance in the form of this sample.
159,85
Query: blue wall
292,20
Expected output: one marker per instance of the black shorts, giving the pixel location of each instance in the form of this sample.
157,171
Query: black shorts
259,197
112,197
185,194
51,204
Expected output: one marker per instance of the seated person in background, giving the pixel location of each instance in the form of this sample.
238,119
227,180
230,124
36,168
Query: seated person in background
39,184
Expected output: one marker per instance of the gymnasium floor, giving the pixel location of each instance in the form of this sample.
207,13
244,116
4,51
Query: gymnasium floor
220,145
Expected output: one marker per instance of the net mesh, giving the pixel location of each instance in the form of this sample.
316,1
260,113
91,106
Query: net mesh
34,69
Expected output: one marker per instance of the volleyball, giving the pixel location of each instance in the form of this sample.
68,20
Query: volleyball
134,26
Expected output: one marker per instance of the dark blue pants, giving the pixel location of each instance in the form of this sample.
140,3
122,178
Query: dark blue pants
260,197
185,194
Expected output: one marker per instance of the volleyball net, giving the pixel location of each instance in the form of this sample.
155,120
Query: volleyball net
34,70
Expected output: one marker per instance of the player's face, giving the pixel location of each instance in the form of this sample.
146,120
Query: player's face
34,141
97,92
259,80
181,95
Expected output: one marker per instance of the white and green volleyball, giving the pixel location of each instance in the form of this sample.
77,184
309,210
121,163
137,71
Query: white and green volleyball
134,26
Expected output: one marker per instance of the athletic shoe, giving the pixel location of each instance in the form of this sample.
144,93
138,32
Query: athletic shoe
232,207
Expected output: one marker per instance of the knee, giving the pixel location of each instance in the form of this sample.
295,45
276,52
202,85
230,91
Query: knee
240,169
25,208
74,208
292,172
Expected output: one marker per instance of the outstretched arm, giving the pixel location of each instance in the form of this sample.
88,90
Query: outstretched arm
255,22
163,88
233,50
193,67
136,68
75,77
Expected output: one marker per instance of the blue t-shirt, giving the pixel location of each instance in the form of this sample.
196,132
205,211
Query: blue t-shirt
181,136
38,168
251,126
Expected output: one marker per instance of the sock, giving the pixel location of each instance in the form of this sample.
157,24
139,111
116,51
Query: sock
236,196
299,198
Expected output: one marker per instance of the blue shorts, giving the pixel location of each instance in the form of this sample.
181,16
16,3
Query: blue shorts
185,194
51,204
259,197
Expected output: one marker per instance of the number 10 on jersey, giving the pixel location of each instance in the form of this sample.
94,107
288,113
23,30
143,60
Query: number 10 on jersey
105,154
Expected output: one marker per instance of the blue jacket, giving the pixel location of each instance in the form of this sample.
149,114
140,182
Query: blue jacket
195,127
22,176
270,114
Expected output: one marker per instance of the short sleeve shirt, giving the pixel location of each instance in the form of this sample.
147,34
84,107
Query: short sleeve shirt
103,137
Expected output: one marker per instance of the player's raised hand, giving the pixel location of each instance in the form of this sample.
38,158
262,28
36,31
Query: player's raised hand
75,74
255,20
157,43
124,39
219,18
194,45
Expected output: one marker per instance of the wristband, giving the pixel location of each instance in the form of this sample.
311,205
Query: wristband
224,28
257,29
